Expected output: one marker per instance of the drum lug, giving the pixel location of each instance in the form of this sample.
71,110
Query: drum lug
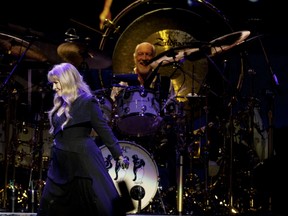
126,109
143,93
143,108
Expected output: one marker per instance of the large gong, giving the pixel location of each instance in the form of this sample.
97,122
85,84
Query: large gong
166,25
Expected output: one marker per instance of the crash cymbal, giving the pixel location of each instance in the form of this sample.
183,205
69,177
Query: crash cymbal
15,46
177,54
228,41
193,52
77,53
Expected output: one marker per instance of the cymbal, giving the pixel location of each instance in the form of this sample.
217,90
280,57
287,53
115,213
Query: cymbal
15,46
176,54
77,53
228,41
192,52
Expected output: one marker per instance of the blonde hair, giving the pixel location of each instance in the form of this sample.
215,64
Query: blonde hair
72,85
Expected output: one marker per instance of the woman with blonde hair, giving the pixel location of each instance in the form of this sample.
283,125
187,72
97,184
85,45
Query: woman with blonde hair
77,179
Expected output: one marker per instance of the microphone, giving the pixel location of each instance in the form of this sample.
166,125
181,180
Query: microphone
152,75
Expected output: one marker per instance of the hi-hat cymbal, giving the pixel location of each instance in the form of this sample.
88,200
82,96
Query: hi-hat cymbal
77,53
15,46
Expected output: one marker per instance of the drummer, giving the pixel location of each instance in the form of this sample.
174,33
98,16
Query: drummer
147,77
142,55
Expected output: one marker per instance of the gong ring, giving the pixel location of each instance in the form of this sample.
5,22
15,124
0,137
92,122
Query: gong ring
166,25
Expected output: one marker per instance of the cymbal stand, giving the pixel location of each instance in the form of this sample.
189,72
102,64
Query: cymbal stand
7,133
179,166
37,160
12,151
233,100
183,144
231,155
201,134
11,143
206,161
37,152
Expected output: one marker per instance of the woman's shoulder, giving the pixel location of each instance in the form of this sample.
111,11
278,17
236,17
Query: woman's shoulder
85,100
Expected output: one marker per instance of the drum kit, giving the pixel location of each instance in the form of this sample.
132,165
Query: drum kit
167,141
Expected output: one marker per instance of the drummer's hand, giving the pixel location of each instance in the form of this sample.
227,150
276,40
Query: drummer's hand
123,162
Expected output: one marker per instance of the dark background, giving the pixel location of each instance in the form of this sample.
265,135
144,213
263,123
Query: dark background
46,22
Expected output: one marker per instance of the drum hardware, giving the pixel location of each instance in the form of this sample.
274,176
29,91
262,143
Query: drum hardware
105,103
72,33
11,131
111,25
152,33
148,81
137,193
78,52
180,185
19,47
39,152
239,161
17,197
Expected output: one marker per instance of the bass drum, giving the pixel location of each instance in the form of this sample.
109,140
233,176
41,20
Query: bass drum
142,177
166,24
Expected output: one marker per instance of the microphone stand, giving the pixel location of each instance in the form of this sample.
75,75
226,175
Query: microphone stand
275,84
270,115
152,75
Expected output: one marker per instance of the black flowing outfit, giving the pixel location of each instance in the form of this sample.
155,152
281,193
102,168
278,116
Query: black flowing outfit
78,182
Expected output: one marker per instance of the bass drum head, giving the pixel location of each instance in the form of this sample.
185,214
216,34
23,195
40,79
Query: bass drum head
166,25
141,178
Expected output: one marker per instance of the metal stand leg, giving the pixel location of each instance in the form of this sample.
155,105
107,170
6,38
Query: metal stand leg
180,185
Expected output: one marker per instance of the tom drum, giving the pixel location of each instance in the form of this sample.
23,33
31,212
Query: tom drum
137,112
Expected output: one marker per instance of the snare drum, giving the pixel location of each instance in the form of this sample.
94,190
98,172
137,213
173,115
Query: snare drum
141,177
137,112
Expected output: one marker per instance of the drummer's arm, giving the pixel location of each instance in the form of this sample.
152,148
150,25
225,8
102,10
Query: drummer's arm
106,13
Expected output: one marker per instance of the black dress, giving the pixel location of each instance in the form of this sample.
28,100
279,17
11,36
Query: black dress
78,182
